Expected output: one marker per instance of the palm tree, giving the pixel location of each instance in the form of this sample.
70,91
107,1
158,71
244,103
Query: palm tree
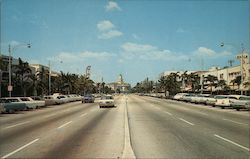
184,76
237,81
163,84
212,82
23,72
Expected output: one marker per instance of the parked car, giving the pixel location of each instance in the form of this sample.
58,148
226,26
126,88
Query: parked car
11,105
37,100
52,100
63,98
2,109
88,99
29,104
106,101
225,100
179,96
210,100
243,102
187,97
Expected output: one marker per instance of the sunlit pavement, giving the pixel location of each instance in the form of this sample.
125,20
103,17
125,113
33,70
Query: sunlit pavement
141,127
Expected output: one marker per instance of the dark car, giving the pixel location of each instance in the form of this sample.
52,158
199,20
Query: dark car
88,99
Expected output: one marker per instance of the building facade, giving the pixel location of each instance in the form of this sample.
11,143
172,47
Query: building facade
119,86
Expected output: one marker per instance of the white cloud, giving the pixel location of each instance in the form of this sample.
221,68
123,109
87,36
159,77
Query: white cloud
148,52
203,51
72,57
110,34
112,6
105,25
107,30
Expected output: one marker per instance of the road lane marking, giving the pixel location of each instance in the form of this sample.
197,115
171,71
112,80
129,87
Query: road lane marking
168,113
49,115
186,121
16,125
127,150
232,142
235,122
64,125
83,114
19,149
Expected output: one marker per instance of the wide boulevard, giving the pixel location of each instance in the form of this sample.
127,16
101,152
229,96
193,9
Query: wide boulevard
138,127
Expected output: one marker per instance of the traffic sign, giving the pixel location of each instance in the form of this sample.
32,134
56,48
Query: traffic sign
10,88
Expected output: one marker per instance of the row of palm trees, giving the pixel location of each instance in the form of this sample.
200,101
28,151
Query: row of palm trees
185,82
26,83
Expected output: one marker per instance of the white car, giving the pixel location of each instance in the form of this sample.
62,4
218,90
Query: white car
29,104
179,96
38,100
52,100
225,100
106,101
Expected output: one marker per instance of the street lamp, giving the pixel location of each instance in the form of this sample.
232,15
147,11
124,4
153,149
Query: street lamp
11,49
240,57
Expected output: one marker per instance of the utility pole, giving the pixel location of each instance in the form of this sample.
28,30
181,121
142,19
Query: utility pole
10,86
49,78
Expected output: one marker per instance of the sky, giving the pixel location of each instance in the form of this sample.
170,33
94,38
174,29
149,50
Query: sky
135,38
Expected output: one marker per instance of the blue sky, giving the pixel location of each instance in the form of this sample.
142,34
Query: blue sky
138,38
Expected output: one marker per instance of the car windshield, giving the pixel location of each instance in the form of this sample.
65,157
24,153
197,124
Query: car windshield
244,98
106,97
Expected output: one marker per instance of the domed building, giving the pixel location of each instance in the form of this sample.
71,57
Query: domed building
119,86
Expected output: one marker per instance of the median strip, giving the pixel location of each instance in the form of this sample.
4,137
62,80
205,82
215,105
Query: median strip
186,121
19,149
64,125
243,147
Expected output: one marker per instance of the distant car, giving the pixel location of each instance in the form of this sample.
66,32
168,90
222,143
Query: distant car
38,101
243,102
106,101
179,96
210,100
52,100
88,99
225,100
187,97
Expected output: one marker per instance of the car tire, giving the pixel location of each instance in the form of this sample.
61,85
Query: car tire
222,107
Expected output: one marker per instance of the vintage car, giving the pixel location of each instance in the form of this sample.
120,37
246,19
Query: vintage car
106,101
11,105
88,99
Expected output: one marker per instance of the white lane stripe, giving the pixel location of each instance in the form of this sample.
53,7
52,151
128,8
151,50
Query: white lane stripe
168,113
186,121
16,125
235,122
232,142
50,115
83,114
64,125
20,148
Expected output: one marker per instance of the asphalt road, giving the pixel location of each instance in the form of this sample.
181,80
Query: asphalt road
138,127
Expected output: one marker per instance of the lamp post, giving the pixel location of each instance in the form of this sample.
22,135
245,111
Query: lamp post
240,57
11,49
